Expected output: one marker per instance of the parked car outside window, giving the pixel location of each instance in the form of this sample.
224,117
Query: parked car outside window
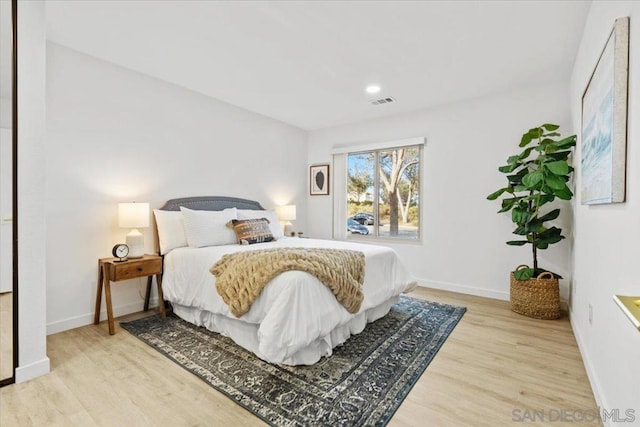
364,218
354,227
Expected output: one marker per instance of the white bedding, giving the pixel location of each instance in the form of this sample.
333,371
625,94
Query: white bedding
296,319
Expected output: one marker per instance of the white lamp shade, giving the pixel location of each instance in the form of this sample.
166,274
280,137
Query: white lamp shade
286,213
133,215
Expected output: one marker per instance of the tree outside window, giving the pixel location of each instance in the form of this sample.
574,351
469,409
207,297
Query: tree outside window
383,192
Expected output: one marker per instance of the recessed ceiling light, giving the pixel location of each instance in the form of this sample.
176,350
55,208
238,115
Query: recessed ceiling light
373,89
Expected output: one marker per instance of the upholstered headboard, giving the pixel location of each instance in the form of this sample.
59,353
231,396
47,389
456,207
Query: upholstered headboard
210,203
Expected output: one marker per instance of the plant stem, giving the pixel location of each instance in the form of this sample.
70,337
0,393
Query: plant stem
535,253
534,235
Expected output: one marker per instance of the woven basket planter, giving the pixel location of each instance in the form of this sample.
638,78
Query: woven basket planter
537,297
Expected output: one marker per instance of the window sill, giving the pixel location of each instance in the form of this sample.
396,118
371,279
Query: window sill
385,240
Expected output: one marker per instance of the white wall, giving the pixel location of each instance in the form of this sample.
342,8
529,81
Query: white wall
463,246
115,135
606,236
6,63
32,358
5,113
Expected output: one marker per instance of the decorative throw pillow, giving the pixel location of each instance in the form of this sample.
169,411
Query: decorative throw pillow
208,228
171,232
250,231
274,224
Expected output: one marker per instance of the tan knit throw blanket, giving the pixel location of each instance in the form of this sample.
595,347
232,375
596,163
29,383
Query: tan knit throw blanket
241,276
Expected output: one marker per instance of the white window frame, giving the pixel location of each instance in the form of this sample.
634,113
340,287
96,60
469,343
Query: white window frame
340,167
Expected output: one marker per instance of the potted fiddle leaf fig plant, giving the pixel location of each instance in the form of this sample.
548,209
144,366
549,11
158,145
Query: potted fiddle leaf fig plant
535,178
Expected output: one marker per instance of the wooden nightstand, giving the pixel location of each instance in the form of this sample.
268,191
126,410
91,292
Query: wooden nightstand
111,271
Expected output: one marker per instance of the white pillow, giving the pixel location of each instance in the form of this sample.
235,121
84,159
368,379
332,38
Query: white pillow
171,233
274,224
209,228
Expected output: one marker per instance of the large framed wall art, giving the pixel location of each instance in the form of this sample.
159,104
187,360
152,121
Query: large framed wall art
604,122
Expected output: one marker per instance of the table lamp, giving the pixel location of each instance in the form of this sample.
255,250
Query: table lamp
134,215
285,214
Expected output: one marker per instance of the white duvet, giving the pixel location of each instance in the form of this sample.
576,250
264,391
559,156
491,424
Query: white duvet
296,319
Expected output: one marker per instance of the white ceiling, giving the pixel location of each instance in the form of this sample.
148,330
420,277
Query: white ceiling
307,63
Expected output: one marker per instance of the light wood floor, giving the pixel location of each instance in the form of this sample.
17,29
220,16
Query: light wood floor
494,362
6,335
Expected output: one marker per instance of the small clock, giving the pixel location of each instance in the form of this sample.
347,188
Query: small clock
120,251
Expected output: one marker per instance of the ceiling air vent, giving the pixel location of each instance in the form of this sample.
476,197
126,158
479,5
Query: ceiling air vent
381,101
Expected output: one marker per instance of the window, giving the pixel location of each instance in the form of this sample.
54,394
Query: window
383,193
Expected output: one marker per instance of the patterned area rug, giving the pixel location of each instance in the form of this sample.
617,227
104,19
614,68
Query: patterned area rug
362,383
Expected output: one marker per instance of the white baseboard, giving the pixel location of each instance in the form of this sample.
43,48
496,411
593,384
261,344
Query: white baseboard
32,370
87,319
463,289
591,373
470,290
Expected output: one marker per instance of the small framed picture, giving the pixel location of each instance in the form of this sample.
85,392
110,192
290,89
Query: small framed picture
319,180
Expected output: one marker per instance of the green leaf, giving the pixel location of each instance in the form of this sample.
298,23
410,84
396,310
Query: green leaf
550,216
569,141
541,245
523,273
536,132
496,194
532,179
507,204
552,235
564,194
520,231
514,179
552,239
517,242
508,168
551,134
534,226
516,214
550,127
513,160
520,215
545,189
547,141
530,136
559,155
525,153
555,182
546,198
526,139
559,167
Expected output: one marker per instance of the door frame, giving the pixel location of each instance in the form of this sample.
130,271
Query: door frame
14,191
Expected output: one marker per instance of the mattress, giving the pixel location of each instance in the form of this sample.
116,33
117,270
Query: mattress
296,320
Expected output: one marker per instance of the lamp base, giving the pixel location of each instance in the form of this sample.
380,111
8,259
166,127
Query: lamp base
135,241
287,228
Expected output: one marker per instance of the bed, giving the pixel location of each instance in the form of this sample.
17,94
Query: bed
296,320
